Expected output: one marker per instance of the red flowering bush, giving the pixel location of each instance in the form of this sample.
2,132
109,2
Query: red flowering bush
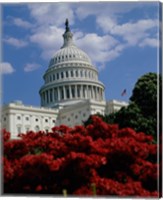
118,162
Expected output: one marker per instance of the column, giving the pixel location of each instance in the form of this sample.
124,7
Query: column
92,92
81,91
64,75
69,73
49,95
70,91
85,91
64,93
103,94
88,93
53,94
96,93
58,91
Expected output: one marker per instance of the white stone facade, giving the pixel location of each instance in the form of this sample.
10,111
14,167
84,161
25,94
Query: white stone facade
18,118
114,105
70,94
78,113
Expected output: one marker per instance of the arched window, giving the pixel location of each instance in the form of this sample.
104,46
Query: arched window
62,75
76,73
37,128
27,128
85,73
72,74
19,128
81,73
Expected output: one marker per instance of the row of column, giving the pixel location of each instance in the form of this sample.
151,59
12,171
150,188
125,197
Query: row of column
72,92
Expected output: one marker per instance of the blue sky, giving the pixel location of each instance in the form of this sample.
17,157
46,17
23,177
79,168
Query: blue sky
121,39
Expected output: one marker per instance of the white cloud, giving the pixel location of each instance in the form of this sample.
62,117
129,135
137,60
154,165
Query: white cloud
6,68
22,23
99,48
106,23
49,40
29,67
51,13
83,10
151,42
47,33
15,42
132,33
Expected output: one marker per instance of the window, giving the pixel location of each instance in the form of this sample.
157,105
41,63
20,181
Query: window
62,76
18,117
27,129
37,128
36,120
67,93
62,94
68,119
46,120
72,74
67,74
57,76
73,92
19,129
53,121
76,117
27,118
4,119
46,129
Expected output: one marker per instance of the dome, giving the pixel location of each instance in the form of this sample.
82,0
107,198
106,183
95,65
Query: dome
68,54
70,77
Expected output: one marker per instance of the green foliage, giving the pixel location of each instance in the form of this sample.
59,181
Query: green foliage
132,116
145,94
142,112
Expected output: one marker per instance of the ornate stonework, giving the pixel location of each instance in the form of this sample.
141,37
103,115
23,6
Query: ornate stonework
70,77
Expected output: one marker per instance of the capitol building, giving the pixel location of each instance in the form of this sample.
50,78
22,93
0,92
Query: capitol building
70,94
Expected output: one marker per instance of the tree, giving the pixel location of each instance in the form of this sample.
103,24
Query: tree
142,111
145,94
